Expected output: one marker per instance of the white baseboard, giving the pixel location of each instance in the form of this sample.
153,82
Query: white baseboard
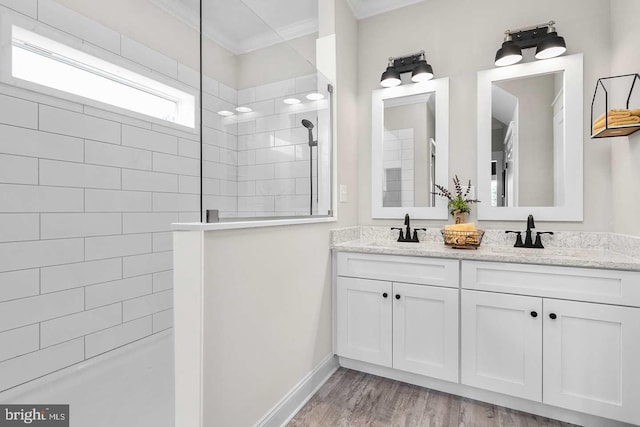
300,394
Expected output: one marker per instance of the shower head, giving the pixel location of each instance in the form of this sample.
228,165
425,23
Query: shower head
306,123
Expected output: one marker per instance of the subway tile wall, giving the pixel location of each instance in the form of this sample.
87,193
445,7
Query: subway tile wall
87,198
262,156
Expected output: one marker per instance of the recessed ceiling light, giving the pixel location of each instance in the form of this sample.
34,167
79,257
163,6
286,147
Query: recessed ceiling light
315,96
243,109
291,101
225,113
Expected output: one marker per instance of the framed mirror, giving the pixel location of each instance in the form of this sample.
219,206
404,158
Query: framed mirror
410,149
530,141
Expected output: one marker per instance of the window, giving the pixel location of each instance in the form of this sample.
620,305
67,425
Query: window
46,62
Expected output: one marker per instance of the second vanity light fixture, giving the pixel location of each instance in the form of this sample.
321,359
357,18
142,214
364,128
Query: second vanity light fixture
421,71
543,37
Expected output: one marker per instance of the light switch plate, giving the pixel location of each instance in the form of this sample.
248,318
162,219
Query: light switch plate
343,194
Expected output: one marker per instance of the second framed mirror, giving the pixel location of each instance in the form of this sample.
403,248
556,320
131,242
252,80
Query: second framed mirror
530,141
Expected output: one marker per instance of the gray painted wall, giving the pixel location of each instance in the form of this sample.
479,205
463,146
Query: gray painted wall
625,151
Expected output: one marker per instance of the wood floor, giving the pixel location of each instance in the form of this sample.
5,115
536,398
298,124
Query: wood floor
352,398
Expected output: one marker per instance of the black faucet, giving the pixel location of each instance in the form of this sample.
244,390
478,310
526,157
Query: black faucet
528,241
406,236
407,221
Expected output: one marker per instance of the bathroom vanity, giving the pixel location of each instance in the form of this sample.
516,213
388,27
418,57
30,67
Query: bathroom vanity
553,332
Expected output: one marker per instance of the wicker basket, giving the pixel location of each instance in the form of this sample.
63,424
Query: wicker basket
462,239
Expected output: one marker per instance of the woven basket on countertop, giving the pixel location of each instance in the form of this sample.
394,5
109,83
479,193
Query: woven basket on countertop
462,239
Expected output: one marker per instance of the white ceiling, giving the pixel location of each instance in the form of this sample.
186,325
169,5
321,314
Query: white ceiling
366,8
242,26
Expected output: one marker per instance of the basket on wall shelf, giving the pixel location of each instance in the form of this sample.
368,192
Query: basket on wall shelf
621,110
462,239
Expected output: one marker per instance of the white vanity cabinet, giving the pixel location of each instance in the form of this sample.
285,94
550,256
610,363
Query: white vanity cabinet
501,347
567,337
407,326
365,320
591,354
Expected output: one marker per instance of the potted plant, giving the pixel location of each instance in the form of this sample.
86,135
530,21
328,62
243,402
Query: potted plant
459,204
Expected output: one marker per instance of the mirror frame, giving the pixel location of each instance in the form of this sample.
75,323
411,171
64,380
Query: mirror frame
441,89
572,177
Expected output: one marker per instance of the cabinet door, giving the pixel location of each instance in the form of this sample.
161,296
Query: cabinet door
425,330
502,343
591,357
364,320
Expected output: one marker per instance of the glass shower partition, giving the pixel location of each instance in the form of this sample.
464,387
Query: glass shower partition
266,114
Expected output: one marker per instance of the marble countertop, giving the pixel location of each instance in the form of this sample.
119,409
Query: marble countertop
591,257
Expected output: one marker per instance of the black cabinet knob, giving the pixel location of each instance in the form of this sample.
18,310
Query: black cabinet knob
384,295
534,314
397,296
552,316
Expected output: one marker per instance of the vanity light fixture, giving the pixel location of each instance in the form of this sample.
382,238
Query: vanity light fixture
552,45
509,54
391,76
421,71
543,37
291,101
243,109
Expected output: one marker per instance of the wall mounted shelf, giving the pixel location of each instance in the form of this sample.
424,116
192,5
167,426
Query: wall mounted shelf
620,110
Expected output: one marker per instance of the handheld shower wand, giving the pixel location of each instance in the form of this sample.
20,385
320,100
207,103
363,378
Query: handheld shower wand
306,123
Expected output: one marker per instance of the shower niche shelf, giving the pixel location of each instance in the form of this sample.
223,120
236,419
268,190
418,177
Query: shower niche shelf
617,106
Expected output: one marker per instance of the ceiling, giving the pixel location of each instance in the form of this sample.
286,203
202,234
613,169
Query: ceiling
253,24
242,26
367,8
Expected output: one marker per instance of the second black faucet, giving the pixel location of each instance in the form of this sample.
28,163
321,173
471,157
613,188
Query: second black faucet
406,236
528,241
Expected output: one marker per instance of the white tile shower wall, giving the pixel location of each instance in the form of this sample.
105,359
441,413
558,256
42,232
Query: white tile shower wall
256,163
219,150
87,198
272,160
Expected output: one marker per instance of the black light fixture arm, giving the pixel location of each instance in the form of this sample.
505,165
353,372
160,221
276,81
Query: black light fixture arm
528,37
549,25
406,63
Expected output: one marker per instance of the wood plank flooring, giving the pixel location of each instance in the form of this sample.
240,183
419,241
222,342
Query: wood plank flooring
352,398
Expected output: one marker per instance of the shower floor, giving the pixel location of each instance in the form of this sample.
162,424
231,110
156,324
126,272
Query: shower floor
131,386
